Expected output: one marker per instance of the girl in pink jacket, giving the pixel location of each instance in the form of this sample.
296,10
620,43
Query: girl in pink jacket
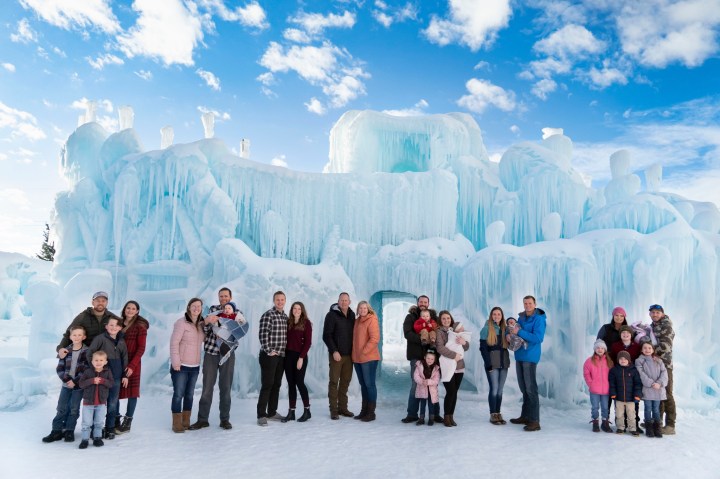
596,371
427,378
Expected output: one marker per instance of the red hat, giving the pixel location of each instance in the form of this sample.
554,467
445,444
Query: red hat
619,310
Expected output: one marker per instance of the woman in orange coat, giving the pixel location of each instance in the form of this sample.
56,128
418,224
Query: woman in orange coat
365,357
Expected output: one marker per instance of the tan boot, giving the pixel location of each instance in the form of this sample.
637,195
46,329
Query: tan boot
177,422
500,418
186,420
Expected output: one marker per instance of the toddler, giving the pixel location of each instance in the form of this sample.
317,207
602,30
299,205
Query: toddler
427,377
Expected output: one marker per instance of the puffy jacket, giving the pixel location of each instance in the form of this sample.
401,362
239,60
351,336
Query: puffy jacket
186,342
533,332
93,326
423,384
495,356
96,394
338,330
415,348
609,334
625,383
116,349
366,337
652,370
596,372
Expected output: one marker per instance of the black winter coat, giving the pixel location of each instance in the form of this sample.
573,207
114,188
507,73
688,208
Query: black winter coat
625,383
609,334
415,350
338,331
89,321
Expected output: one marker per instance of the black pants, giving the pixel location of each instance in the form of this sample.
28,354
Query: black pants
271,373
296,378
451,389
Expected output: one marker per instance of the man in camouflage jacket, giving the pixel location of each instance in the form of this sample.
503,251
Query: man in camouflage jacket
663,330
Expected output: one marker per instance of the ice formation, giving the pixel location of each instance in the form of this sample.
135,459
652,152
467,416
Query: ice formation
406,206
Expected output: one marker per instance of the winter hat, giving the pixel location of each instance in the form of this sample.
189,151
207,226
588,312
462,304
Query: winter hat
599,344
230,303
656,307
619,310
626,328
624,354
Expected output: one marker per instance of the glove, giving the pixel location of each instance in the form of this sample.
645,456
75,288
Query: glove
612,397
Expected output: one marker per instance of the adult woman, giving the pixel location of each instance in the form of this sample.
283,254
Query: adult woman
135,330
365,357
610,332
447,324
299,339
494,350
185,344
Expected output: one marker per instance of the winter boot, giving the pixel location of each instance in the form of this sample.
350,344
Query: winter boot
345,412
494,419
668,430
520,420
185,420
532,426
83,444
500,418
595,425
606,425
431,420
657,426
125,426
197,424
177,422
446,421
305,415
363,411
69,436
290,416
421,421
370,416
649,430
53,436
452,420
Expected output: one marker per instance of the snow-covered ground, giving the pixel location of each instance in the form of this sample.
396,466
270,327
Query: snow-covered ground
347,448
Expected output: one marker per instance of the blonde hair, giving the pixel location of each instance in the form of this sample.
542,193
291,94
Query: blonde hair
370,310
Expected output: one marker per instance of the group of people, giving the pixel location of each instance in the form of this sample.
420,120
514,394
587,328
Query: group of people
100,362
632,363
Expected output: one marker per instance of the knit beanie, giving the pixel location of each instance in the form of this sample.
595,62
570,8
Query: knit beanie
619,310
626,328
624,354
599,344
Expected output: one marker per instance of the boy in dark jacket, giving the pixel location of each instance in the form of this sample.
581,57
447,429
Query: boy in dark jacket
113,344
626,389
95,383
70,367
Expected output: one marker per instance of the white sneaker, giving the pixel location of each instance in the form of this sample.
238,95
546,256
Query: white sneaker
262,421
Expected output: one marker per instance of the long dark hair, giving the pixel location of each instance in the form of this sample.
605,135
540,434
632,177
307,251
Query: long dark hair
188,318
303,317
492,337
139,320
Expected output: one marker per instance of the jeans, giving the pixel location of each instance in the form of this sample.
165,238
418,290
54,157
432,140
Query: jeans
296,378
131,405
365,373
339,382
211,369
271,373
113,403
496,382
68,409
183,388
93,418
652,411
599,401
527,381
451,389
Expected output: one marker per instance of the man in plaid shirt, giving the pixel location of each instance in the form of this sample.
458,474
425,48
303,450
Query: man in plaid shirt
273,338
212,369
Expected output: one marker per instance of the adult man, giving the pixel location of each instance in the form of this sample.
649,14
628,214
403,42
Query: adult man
531,328
663,330
273,338
413,353
212,369
93,319
338,337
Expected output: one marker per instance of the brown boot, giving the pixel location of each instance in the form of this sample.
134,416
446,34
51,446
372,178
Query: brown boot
186,419
452,420
446,421
500,418
370,416
177,422
494,419
532,426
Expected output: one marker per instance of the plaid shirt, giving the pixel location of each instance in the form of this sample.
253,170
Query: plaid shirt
273,331
211,343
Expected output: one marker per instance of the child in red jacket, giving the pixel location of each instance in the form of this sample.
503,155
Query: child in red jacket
425,326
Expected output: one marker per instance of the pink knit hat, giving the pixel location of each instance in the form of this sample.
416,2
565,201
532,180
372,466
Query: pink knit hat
619,310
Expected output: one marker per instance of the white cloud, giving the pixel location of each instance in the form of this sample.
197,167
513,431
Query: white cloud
210,79
515,129
106,59
606,77
24,34
59,52
251,15
386,16
20,123
279,160
9,67
144,74
219,116
102,104
484,94
69,14
15,197
266,78
469,23
570,41
295,35
482,65
543,88
315,106
415,110
167,31
316,23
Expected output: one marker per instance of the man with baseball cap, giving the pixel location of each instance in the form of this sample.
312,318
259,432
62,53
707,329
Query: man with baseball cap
662,328
93,319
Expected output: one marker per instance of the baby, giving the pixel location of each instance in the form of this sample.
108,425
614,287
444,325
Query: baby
514,341
425,326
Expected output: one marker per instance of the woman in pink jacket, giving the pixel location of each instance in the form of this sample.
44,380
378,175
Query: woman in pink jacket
596,371
185,344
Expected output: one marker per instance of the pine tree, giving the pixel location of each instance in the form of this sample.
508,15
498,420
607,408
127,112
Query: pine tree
47,250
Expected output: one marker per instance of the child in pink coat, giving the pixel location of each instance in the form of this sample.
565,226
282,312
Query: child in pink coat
596,371
427,378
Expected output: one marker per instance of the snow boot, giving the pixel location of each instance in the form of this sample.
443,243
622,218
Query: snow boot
532,426
345,412
290,416
305,415
185,420
606,425
363,411
431,420
370,416
452,420
657,426
520,420
177,422
97,442
668,430
53,436
494,419
124,426
649,430
595,425
69,436
83,444
500,418
420,421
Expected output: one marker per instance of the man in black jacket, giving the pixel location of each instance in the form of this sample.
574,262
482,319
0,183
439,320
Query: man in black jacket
338,337
93,319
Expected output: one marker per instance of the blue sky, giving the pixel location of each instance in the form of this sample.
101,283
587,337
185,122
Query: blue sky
614,74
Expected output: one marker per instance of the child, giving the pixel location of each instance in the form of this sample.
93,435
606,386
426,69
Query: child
112,342
625,389
643,332
95,383
514,341
625,344
425,326
596,371
427,377
228,333
654,377
69,368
